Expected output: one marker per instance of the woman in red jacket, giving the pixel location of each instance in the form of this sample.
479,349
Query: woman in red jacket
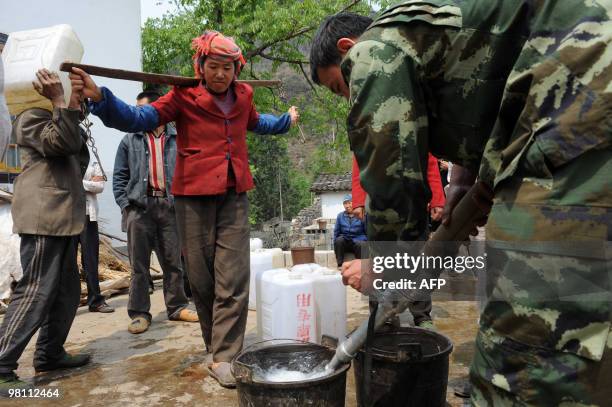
210,182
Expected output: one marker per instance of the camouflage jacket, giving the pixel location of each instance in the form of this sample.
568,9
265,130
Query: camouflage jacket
520,90
430,76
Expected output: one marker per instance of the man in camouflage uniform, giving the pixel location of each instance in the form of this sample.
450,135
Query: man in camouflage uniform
518,91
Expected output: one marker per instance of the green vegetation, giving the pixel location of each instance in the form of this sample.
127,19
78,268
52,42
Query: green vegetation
274,37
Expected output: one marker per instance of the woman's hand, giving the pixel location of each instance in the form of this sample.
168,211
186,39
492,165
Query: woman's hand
82,83
295,115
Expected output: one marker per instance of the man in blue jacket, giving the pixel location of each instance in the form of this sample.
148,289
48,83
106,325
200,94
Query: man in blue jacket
142,180
349,232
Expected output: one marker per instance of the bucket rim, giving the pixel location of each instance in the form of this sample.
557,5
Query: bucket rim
390,356
250,381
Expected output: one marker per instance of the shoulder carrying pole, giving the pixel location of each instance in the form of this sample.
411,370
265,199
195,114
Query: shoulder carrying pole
153,78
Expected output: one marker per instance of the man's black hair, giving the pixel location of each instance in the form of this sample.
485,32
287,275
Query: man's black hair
324,51
151,95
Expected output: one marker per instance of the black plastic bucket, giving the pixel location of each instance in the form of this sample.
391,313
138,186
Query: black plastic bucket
409,369
253,391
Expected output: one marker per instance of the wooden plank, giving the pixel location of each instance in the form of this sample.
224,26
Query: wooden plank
153,78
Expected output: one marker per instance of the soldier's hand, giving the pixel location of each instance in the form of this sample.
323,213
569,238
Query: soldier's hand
82,82
351,274
294,114
48,84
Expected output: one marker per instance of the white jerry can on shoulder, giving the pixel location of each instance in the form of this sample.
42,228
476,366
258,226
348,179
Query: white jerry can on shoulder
28,51
288,307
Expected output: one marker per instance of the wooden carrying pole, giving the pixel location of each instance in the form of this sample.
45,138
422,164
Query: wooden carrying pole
153,78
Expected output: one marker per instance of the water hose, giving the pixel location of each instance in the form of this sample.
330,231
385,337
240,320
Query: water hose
464,218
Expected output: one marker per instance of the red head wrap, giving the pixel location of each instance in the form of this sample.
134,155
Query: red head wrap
215,45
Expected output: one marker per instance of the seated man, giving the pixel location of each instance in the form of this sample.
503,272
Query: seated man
349,232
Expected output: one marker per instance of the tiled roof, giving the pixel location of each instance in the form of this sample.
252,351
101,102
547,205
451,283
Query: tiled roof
332,183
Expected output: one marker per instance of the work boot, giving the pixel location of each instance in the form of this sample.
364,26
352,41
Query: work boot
10,381
67,362
187,316
427,324
138,325
463,389
104,308
222,373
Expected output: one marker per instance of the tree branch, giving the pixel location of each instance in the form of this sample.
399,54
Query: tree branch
292,35
279,59
308,80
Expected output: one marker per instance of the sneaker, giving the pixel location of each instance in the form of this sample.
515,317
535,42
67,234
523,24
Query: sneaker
187,316
222,373
11,382
138,325
104,308
427,324
67,362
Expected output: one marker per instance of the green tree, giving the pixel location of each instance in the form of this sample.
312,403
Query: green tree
273,35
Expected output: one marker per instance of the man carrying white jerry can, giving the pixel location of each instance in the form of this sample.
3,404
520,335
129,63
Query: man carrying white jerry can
5,119
48,213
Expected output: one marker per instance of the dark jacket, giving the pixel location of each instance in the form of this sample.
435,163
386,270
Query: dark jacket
349,227
49,197
131,172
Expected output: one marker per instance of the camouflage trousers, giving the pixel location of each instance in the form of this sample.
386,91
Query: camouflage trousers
544,337
508,373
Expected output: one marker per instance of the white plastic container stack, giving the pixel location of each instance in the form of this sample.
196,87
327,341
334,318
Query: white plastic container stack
261,260
288,306
28,51
276,313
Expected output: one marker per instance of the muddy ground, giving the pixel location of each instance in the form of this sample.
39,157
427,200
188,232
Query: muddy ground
163,366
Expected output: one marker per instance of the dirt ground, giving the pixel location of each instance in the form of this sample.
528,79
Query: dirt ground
163,366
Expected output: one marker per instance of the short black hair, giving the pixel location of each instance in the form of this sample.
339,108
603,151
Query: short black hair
324,51
151,95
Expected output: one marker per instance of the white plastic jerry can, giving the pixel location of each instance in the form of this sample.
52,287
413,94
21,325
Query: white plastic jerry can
261,260
256,243
28,51
258,279
330,303
288,307
305,268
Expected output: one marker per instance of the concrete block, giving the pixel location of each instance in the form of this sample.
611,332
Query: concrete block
321,257
331,259
288,260
278,260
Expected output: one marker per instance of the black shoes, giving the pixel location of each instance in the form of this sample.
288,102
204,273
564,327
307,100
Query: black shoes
67,362
10,382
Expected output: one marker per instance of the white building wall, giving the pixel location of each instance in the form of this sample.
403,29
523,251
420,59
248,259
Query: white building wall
110,33
331,204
